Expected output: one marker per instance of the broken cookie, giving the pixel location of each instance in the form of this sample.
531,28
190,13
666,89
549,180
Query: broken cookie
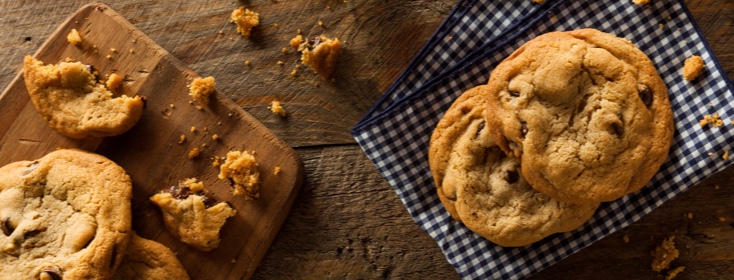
191,215
72,101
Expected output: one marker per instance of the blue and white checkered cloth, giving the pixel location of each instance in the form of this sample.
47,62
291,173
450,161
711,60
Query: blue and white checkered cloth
475,37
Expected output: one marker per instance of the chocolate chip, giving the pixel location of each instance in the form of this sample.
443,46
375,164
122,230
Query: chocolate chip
524,129
183,192
512,176
480,128
645,94
53,274
514,93
31,168
313,42
5,227
618,128
114,256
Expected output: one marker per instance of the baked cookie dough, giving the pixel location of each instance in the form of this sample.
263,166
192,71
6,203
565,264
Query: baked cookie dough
692,67
149,260
191,215
483,188
240,168
201,88
73,103
245,20
65,215
586,112
321,54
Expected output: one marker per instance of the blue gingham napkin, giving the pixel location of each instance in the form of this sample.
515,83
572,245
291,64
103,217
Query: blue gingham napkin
479,34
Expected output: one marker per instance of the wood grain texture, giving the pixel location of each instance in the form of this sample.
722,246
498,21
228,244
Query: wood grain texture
345,208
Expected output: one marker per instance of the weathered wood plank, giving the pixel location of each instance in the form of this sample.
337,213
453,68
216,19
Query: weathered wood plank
347,223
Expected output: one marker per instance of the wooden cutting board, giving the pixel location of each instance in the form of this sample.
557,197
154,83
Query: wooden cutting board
150,152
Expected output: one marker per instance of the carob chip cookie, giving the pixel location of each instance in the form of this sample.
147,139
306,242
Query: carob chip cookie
72,102
149,260
64,216
586,112
483,188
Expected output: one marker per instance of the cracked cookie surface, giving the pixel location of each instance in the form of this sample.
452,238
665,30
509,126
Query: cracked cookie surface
66,215
149,260
586,112
483,188
73,103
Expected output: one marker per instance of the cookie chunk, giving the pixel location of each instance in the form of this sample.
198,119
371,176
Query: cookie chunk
191,215
149,260
240,168
586,112
483,188
202,88
74,38
692,68
245,20
72,102
321,54
66,215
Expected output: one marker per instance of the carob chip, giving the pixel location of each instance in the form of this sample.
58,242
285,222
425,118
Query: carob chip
183,192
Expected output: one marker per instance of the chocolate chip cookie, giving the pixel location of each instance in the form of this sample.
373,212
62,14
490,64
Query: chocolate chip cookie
64,216
586,112
72,102
149,260
192,215
483,188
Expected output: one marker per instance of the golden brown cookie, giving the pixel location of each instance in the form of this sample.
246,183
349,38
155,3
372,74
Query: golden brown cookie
65,215
149,260
483,188
191,215
586,112
321,54
73,103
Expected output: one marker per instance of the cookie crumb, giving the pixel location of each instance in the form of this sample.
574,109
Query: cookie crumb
215,137
201,89
233,261
689,215
240,168
113,82
276,108
284,50
280,62
716,187
722,219
726,155
692,67
245,20
296,41
674,272
181,139
321,54
215,162
247,63
626,238
294,73
108,56
113,50
640,2
538,1
171,105
193,129
664,254
276,170
132,51
204,145
194,153
714,119
74,38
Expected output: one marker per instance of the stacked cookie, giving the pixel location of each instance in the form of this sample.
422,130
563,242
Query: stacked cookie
567,121
67,216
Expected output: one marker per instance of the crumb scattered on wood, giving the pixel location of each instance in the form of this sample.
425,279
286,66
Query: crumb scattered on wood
194,153
664,254
74,38
181,139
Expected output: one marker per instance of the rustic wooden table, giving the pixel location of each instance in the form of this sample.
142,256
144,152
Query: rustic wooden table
347,222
